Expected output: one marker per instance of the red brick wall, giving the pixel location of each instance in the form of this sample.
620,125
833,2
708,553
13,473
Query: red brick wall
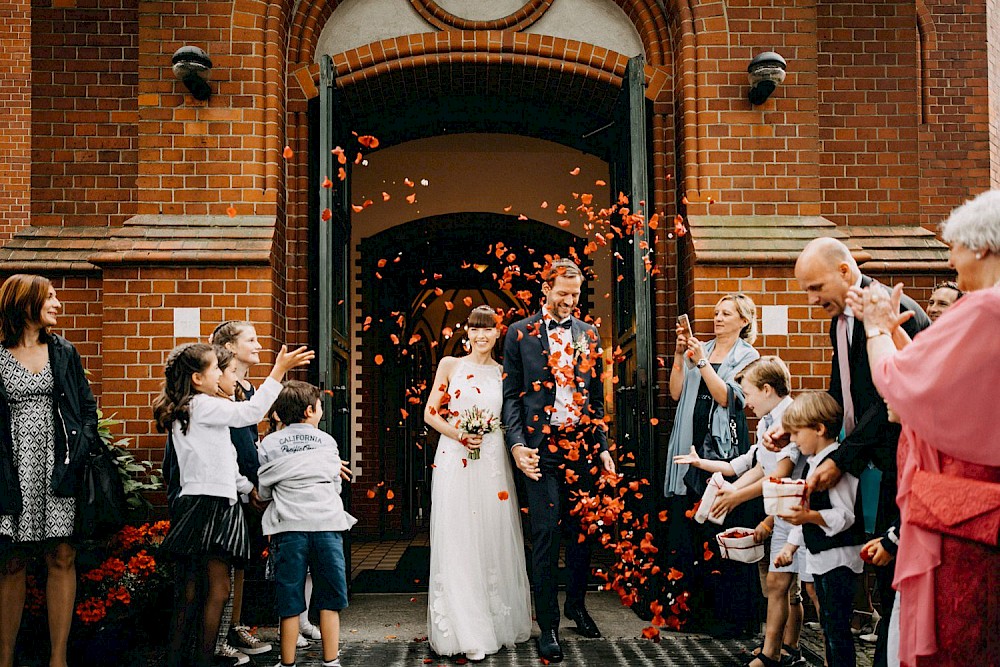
869,111
81,322
752,160
138,332
199,158
954,141
15,116
993,37
83,99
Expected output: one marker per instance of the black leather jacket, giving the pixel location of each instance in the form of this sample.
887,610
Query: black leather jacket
75,418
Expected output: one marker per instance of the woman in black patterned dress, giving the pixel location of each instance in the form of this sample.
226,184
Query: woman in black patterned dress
48,421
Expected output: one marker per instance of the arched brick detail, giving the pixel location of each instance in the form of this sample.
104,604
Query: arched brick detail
436,15
649,19
486,47
927,45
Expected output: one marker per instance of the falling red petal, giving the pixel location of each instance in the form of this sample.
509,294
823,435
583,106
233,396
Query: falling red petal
288,153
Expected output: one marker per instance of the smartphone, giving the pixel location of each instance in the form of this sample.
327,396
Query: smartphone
685,323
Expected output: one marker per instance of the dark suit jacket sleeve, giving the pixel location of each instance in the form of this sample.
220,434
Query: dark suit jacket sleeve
513,387
597,402
88,404
874,438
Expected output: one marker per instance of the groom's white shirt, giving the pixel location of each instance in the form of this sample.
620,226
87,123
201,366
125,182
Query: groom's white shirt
560,339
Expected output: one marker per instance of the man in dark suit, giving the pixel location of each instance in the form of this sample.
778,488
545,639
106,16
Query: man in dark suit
553,411
826,271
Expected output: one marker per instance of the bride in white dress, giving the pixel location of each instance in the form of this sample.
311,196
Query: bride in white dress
478,597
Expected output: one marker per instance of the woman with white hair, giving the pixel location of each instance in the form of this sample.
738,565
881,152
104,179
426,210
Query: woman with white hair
943,387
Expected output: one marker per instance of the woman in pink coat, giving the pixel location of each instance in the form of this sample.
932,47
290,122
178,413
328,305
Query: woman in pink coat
944,388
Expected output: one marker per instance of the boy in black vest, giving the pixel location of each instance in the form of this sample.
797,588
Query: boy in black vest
827,525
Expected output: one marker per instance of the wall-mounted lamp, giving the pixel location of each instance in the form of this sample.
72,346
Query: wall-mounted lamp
765,72
193,67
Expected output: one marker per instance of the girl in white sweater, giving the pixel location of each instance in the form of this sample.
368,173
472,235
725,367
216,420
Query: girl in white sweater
209,531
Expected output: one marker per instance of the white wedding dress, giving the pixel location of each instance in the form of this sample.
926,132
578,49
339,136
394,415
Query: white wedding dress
478,597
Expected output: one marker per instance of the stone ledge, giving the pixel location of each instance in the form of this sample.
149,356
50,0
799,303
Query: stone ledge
142,239
52,249
777,239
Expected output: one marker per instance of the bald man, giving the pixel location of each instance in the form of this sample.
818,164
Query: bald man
826,271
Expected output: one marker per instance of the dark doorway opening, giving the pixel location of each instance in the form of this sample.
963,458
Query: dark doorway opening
419,282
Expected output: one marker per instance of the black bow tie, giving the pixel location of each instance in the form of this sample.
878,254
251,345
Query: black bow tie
565,325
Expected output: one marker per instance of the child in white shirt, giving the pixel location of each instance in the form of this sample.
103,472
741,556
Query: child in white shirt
827,524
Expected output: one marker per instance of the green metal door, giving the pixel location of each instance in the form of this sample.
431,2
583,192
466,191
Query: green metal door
333,354
632,294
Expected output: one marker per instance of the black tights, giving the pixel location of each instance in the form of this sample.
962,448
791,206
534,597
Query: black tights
201,591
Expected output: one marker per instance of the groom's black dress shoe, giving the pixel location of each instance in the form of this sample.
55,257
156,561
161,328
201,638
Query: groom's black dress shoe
584,623
548,646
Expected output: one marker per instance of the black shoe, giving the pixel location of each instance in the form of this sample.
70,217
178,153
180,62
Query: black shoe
584,623
548,646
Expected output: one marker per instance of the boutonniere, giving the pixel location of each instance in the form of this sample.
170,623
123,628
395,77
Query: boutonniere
580,347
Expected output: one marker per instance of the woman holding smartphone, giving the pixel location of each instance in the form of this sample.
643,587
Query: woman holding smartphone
702,380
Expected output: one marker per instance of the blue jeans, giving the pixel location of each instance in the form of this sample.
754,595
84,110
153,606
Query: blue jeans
297,553
835,590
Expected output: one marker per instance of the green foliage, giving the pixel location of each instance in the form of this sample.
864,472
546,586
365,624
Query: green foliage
137,476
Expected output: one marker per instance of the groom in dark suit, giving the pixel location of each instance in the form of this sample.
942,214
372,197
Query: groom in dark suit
553,410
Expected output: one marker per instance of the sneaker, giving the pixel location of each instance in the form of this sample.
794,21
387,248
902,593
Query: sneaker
812,625
233,656
242,639
301,642
333,663
309,631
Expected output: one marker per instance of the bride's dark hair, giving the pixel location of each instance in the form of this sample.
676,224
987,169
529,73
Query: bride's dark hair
482,317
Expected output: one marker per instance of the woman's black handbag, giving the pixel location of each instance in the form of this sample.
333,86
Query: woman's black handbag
739,437
101,508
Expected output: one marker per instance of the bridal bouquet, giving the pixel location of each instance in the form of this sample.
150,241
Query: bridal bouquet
478,421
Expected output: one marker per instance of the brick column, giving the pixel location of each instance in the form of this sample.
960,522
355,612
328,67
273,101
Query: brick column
15,116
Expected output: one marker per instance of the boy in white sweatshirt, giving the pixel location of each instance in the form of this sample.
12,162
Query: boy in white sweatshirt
300,475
